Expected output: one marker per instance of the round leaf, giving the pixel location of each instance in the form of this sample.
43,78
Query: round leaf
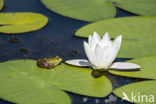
21,22
138,48
22,81
87,10
137,27
23,89
1,4
80,81
141,7
140,92
147,69
138,34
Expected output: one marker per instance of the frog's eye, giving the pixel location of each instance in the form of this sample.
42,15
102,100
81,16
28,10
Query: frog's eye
57,57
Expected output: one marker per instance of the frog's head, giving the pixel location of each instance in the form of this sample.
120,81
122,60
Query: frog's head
58,59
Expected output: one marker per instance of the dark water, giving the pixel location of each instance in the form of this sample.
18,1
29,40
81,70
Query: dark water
54,39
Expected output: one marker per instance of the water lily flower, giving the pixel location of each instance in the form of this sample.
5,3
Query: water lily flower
101,54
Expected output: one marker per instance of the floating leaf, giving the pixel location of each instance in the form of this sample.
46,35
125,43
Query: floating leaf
147,69
130,27
25,83
23,89
138,34
93,10
138,48
1,4
21,82
141,7
143,92
21,22
87,10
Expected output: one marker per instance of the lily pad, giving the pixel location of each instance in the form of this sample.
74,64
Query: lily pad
129,27
87,10
138,34
93,10
1,4
138,48
147,69
25,83
21,22
142,92
141,7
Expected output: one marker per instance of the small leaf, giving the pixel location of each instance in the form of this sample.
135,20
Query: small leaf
141,7
86,10
124,66
21,22
138,34
23,82
147,69
1,4
78,62
139,92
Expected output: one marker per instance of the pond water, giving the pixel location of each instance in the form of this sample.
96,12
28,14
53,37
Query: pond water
56,38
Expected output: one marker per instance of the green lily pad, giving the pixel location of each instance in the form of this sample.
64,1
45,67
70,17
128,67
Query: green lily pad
140,92
1,4
21,22
87,10
138,34
129,27
141,7
147,69
138,48
24,89
25,83
93,10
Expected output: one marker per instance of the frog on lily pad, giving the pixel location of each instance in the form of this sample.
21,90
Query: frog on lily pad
49,63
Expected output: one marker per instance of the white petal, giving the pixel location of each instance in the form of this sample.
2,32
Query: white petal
91,43
98,57
78,62
106,41
124,65
104,56
89,53
96,37
117,43
109,56
90,39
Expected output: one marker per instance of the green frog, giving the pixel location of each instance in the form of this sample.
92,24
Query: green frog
49,63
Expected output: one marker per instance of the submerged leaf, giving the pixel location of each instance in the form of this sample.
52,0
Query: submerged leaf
147,69
138,34
23,82
140,92
1,4
21,22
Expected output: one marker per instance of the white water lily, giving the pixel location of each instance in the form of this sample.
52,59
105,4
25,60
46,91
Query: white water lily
101,54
